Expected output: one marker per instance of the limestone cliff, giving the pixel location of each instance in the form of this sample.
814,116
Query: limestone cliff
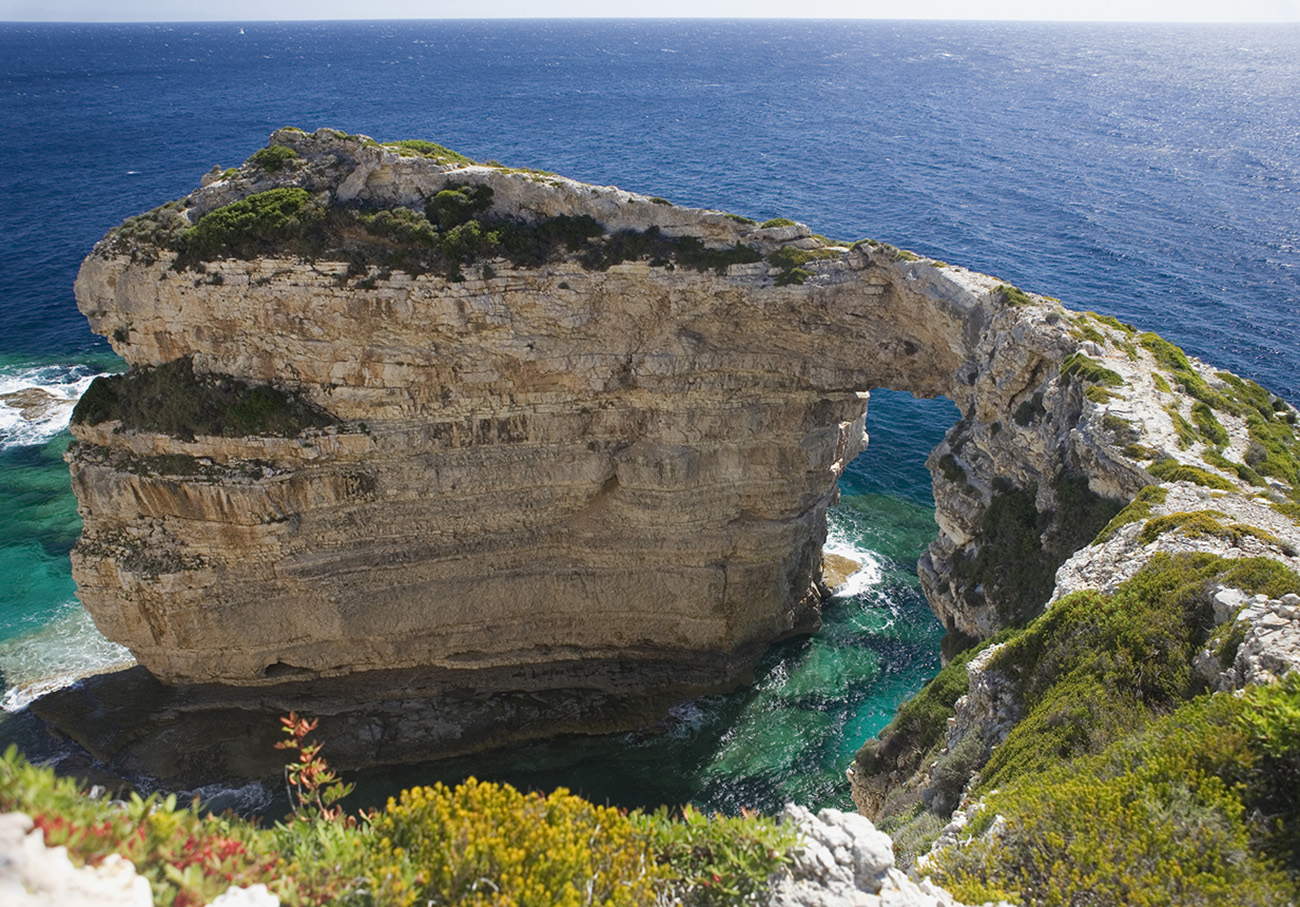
390,410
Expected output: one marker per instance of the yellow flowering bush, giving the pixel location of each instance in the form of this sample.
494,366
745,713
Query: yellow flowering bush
488,844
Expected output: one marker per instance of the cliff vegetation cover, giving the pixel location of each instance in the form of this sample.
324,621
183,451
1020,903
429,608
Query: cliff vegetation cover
1123,782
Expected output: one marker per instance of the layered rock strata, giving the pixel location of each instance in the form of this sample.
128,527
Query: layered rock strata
508,431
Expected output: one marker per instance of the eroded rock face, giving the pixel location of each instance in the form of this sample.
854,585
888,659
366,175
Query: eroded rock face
614,448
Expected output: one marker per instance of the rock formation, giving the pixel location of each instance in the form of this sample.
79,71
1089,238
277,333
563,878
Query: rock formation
400,422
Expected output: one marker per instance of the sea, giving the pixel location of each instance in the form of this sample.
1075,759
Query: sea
1150,172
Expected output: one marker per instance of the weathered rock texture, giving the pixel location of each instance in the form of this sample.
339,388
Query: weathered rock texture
844,861
585,469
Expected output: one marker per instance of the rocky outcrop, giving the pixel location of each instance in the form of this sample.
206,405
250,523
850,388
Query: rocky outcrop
843,861
393,414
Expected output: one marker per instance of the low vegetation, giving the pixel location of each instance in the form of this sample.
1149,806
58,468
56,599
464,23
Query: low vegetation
1011,295
1170,470
272,158
1137,509
454,229
1090,371
1124,784
472,844
431,150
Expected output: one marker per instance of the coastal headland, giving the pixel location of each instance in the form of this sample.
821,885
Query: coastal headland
460,454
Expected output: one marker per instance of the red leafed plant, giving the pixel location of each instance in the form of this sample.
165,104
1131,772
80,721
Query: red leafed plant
312,784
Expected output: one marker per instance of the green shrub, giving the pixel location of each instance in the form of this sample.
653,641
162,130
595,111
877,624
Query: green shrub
1030,410
1204,524
792,277
777,222
1244,472
1270,718
272,158
1020,548
715,861
1015,296
472,844
1112,321
1156,819
1273,449
1094,665
457,205
490,844
952,470
248,227
1170,470
1186,432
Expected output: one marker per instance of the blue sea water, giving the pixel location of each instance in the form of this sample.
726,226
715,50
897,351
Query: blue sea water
1147,172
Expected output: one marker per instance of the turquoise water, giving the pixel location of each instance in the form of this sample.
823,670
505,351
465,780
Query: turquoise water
791,735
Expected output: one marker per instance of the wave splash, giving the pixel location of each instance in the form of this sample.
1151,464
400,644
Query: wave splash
841,540
36,402
57,655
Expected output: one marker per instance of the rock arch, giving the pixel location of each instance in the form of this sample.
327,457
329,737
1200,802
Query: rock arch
567,473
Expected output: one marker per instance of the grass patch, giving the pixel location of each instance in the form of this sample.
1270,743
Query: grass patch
1204,524
790,260
1170,470
1011,295
1244,472
1137,509
1209,425
1184,431
431,150
1111,321
777,222
1090,371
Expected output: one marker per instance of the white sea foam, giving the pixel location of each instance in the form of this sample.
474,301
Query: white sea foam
36,402
839,541
57,655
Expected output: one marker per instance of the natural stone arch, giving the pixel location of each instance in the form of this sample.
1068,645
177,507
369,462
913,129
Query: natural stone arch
555,475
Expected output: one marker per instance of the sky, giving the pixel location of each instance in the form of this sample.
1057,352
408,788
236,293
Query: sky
254,10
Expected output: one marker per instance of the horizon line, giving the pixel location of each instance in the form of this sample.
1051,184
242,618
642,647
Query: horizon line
675,18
